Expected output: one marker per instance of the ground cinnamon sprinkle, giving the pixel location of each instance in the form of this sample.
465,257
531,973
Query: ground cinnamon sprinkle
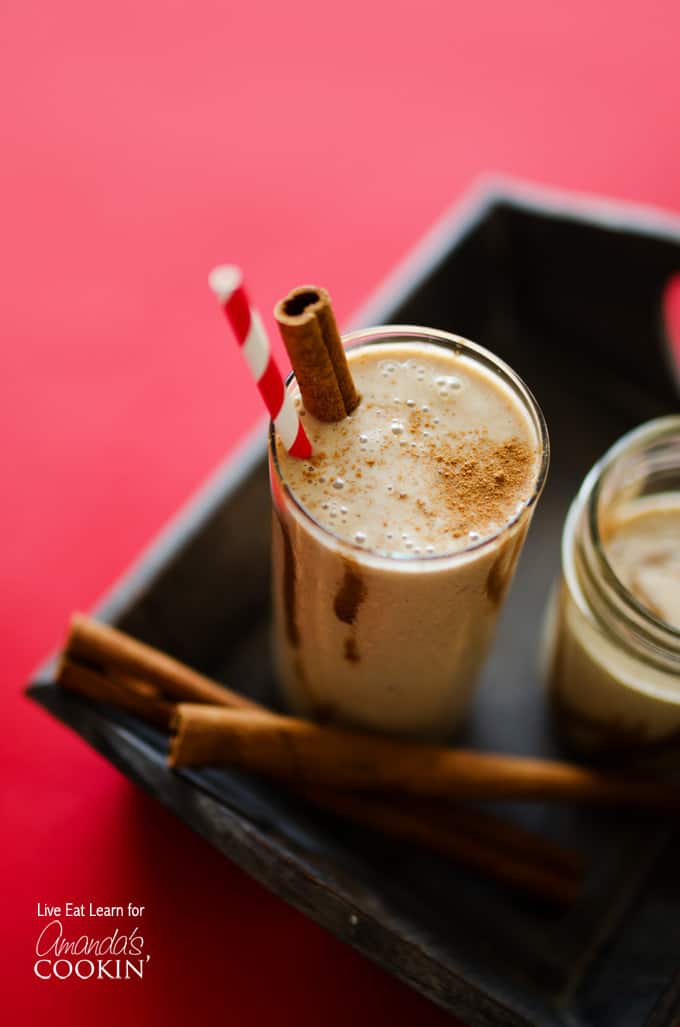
482,477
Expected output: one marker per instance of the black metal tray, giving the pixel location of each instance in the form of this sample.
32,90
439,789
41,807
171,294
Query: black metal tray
570,293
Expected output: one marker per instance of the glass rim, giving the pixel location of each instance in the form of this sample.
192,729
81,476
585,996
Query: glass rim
590,494
458,344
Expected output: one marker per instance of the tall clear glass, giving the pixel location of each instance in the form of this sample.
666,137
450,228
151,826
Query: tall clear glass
391,642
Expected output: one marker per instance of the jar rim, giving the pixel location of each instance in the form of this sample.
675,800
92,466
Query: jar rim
589,497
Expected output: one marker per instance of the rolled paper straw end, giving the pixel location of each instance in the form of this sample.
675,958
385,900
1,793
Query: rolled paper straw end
225,280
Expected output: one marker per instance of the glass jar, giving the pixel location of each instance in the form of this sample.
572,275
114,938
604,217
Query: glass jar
612,646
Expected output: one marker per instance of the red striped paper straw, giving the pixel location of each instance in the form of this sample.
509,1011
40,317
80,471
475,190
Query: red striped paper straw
227,284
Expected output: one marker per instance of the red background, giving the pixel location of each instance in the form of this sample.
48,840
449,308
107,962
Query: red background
141,143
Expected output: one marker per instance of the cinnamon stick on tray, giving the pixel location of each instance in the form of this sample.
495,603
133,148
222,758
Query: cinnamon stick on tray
310,334
104,688
147,702
305,753
504,836
500,849
91,642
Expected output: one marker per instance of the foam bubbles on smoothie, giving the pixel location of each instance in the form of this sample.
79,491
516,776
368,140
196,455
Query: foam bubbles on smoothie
384,466
447,383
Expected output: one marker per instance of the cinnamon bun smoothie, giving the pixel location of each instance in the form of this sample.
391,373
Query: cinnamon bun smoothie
394,545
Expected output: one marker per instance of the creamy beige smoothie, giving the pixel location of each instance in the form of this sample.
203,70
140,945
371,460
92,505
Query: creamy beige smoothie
394,545
642,543
607,694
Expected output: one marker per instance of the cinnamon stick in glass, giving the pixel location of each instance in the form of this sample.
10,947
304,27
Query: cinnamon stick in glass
305,753
310,334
